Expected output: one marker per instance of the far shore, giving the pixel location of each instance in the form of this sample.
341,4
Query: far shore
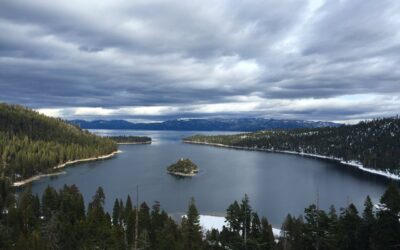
63,165
354,164
134,143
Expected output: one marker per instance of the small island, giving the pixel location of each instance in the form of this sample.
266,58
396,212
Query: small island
184,167
130,139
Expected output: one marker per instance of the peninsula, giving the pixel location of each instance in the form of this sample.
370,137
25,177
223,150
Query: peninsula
370,146
184,167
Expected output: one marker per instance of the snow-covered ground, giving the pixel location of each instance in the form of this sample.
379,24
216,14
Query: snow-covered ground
277,232
209,222
370,170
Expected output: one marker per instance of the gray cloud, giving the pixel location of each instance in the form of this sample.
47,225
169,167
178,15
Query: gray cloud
329,60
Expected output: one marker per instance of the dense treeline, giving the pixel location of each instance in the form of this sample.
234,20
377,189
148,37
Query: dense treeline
347,229
32,143
59,220
130,139
376,143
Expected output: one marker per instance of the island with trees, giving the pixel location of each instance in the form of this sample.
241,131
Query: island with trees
183,167
130,139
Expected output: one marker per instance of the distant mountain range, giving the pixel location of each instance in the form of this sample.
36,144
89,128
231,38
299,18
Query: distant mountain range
218,124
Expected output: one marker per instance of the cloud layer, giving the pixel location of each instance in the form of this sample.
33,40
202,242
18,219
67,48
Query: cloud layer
155,60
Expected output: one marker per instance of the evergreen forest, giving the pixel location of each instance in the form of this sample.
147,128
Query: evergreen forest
60,220
32,143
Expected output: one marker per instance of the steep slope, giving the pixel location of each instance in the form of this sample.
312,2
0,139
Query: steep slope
31,143
375,144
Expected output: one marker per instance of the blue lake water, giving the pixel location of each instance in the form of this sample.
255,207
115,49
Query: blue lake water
277,184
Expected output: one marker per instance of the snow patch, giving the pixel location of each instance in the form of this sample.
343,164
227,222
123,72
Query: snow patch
277,232
209,222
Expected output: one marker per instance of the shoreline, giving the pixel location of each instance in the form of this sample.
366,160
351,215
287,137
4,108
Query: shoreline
63,165
182,174
351,163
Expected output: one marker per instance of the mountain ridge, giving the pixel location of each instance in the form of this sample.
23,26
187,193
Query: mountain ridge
215,124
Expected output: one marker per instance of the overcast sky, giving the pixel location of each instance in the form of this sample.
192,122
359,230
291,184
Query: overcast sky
142,60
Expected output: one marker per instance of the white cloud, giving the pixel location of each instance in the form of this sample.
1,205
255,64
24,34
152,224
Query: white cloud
349,107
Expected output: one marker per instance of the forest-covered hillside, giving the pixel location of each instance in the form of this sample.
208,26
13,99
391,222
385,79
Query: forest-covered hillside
375,144
32,143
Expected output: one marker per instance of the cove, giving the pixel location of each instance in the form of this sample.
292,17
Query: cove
277,184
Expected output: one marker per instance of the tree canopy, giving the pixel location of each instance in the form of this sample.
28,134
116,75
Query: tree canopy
60,220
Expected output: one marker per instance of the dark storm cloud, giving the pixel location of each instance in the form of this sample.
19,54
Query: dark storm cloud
331,60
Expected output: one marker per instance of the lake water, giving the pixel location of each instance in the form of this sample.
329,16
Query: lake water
277,184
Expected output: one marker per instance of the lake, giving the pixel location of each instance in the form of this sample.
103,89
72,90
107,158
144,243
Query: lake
277,184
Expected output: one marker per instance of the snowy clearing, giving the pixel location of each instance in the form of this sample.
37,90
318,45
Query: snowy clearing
209,222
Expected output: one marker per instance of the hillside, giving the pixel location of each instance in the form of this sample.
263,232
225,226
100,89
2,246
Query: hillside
375,144
240,124
31,143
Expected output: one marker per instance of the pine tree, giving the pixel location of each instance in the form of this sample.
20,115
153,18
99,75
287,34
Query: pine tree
311,227
192,230
391,198
331,237
255,231
349,229
368,224
128,206
233,217
98,222
267,239
387,229
293,230
116,213
130,221
246,211
49,202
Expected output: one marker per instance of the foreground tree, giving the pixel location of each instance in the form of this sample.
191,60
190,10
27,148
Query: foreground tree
60,222
191,229
387,231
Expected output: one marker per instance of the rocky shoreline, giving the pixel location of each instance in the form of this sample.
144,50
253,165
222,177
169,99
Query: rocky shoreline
183,174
